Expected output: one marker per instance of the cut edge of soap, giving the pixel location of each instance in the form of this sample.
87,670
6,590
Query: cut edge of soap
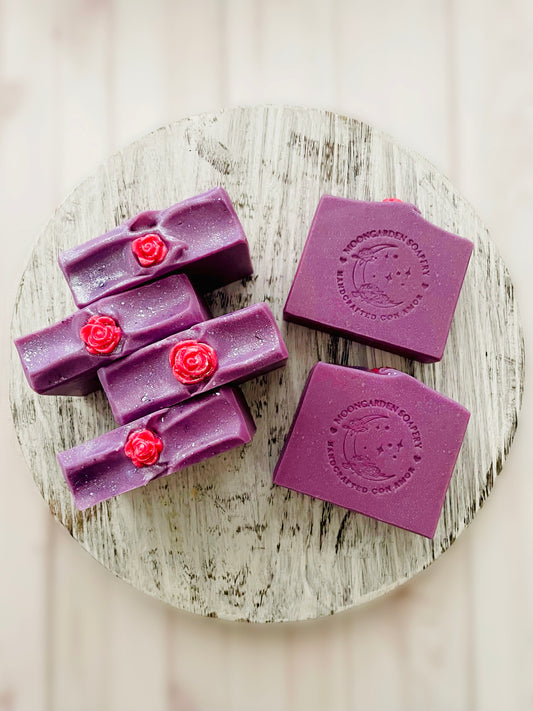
428,357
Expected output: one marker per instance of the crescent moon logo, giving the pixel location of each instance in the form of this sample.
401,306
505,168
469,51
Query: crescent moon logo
373,446
359,463
376,292
369,254
359,424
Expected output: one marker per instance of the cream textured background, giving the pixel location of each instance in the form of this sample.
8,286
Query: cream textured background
450,79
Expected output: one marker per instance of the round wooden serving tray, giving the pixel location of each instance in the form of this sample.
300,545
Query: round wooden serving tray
218,539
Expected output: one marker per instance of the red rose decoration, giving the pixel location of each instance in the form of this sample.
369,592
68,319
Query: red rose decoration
101,335
392,200
149,249
192,362
143,448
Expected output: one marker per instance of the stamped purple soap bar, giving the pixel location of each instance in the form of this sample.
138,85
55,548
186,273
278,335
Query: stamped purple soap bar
381,443
63,359
155,446
201,236
379,273
228,349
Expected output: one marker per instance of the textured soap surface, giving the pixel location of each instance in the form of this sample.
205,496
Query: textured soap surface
378,272
201,236
56,360
380,443
245,343
186,434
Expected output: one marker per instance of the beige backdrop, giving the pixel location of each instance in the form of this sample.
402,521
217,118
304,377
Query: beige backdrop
452,79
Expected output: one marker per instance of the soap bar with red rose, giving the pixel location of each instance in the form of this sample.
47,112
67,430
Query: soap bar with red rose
227,349
378,442
379,273
63,358
201,236
155,446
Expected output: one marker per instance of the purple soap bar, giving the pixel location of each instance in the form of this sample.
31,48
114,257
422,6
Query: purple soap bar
380,443
63,359
228,349
201,236
156,446
377,272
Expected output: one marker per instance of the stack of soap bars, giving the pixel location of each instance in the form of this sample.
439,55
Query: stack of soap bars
143,332
377,442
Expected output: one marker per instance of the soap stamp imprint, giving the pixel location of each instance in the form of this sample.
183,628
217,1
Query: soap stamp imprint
383,275
374,446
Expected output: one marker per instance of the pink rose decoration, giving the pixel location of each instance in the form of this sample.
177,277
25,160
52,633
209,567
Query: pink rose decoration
392,200
143,448
101,335
192,362
149,249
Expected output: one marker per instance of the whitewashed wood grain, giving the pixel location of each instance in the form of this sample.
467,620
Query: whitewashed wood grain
80,629
219,539
494,48
476,628
408,89
395,68
26,527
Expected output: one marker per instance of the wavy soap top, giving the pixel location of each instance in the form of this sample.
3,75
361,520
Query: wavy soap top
201,236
